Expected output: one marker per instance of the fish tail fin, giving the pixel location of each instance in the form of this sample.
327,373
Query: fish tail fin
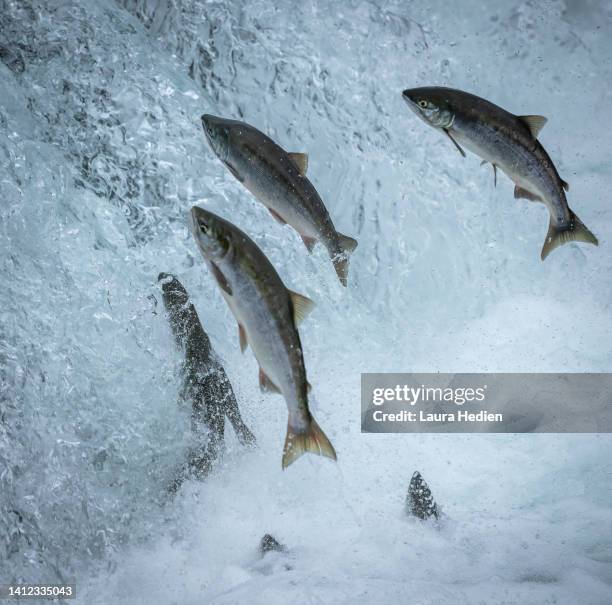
577,231
346,245
312,440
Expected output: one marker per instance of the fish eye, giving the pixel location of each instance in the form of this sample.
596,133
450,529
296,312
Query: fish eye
203,226
422,103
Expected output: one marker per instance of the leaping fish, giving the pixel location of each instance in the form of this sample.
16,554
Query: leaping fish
267,314
278,180
508,142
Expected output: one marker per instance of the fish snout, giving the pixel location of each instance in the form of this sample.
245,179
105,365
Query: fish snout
408,95
411,100
208,120
217,131
194,214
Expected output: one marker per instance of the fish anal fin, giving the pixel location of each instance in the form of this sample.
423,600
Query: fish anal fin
277,217
265,384
309,242
450,136
519,193
534,123
220,279
300,160
302,306
242,335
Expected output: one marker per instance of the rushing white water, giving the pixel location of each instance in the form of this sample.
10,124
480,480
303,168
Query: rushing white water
102,157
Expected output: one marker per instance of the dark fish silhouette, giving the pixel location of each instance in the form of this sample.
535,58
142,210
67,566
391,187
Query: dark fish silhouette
419,501
205,383
270,544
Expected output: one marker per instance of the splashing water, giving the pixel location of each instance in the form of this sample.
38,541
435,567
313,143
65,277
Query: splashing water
103,156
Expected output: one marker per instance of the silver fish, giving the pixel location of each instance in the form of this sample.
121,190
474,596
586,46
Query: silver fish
267,314
278,180
508,142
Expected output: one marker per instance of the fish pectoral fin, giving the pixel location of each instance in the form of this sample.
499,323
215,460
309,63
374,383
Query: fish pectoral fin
302,306
242,335
234,172
450,136
265,384
534,123
277,217
300,160
309,242
220,279
519,192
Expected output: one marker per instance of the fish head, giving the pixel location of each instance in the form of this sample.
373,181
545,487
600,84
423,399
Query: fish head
217,131
431,104
211,233
172,287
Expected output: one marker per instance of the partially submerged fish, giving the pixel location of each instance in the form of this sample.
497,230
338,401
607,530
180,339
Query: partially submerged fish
419,501
508,142
205,385
267,314
278,180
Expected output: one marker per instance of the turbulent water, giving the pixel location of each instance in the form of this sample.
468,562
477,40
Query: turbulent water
103,155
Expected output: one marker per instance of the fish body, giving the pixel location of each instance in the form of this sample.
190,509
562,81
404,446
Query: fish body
278,180
205,385
266,313
506,141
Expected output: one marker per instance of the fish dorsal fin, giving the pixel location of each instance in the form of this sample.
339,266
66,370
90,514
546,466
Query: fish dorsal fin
300,160
302,306
534,123
565,185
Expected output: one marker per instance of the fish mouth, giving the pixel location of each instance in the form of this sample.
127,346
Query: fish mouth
193,215
407,95
207,121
